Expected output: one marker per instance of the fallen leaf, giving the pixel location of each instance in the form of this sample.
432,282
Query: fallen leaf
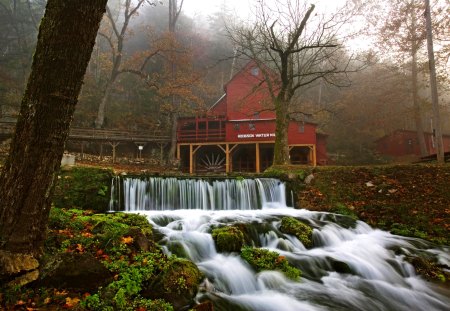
61,293
127,240
87,235
80,248
71,302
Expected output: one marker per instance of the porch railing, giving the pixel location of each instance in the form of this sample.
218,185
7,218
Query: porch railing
201,135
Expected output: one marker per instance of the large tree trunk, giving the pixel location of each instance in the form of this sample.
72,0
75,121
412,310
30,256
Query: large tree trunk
66,38
281,149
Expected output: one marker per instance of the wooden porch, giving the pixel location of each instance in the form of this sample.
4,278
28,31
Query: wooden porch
224,157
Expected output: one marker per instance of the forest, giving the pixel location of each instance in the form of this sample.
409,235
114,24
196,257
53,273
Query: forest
152,63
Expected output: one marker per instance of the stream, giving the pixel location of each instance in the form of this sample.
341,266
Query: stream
350,266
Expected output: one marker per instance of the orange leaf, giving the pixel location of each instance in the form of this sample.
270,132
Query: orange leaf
80,248
127,240
87,235
71,302
61,293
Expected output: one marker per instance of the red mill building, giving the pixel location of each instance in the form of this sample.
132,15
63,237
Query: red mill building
238,132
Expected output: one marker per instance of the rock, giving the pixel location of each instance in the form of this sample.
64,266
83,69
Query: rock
140,240
303,232
340,266
369,184
74,271
309,179
228,239
12,263
17,269
204,306
178,284
25,278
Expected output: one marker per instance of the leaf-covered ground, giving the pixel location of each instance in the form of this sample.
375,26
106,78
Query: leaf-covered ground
410,200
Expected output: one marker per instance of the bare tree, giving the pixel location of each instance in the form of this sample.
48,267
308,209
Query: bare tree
174,13
116,43
294,48
66,38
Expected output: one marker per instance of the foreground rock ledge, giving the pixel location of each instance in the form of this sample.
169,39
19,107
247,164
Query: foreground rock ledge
17,269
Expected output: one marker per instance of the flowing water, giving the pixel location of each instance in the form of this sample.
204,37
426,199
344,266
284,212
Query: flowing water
350,267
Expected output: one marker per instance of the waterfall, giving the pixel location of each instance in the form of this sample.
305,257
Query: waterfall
156,193
350,266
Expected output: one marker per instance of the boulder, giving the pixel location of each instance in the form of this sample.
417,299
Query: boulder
74,271
303,232
178,284
228,239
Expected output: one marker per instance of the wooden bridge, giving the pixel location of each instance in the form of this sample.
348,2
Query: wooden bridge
100,135
113,137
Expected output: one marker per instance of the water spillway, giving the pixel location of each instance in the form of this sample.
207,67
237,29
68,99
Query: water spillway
350,266
155,193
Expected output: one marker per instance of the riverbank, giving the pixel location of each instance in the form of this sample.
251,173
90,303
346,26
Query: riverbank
409,200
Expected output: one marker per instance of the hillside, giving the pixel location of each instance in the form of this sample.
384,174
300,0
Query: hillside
410,200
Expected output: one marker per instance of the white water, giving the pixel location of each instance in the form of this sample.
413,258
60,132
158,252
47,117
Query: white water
380,277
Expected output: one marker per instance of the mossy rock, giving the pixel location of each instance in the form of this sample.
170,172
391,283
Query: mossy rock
228,239
429,269
303,232
262,259
178,284
84,188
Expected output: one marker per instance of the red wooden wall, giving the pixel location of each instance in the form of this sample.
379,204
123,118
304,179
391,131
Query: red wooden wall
402,143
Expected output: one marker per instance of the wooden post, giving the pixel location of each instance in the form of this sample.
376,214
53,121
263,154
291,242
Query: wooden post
82,150
178,152
114,145
314,158
258,163
227,158
191,158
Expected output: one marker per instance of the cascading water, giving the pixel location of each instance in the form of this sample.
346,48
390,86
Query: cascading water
156,193
350,267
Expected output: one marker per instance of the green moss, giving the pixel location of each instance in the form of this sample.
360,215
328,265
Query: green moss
181,275
405,230
303,232
288,172
342,209
228,239
262,259
68,228
177,283
83,188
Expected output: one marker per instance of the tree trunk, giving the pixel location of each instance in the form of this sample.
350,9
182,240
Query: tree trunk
65,42
416,102
100,120
173,137
281,149
437,132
